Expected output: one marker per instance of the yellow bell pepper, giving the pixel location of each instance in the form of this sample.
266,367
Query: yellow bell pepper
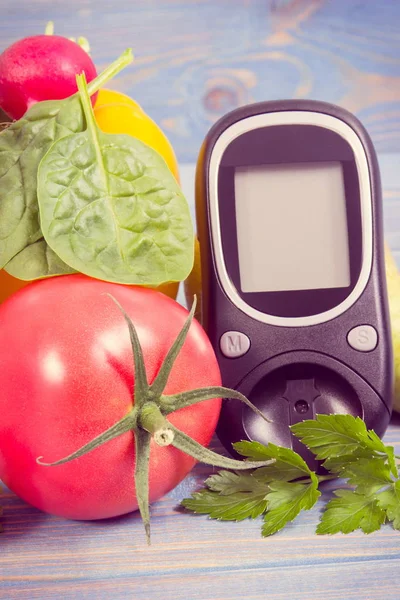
117,113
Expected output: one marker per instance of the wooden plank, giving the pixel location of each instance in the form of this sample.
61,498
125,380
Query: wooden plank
191,556
369,580
197,60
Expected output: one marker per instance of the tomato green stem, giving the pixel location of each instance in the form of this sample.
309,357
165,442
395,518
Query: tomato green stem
141,483
127,423
152,420
141,391
200,453
160,382
169,404
147,419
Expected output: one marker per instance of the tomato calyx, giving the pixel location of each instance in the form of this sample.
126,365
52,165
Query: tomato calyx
148,419
153,421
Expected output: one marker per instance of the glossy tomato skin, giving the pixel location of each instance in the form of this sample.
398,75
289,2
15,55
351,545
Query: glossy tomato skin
9,285
66,376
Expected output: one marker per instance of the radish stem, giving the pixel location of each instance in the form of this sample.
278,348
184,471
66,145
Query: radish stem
123,61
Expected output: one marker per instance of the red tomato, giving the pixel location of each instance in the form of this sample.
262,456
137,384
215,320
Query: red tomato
67,375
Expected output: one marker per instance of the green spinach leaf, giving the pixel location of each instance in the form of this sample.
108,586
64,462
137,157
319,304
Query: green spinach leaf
22,146
111,208
36,261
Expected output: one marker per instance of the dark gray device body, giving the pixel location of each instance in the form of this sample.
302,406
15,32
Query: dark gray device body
295,353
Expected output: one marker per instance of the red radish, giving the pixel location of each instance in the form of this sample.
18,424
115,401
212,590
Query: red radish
41,67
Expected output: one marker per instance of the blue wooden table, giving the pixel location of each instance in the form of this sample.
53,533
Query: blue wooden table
195,61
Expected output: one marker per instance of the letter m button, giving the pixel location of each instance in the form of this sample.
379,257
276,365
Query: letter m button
234,344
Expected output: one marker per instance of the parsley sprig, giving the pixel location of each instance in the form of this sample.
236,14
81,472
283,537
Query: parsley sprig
350,453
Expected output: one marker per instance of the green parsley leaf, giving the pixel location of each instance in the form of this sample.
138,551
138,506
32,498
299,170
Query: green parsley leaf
389,500
286,501
336,464
379,446
288,464
237,496
350,511
226,483
283,489
330,436
253,450
225,508
368,475
230,497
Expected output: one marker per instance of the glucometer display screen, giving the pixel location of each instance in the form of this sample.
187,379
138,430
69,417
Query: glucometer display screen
292,228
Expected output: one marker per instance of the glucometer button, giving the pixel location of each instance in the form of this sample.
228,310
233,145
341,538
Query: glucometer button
234,344
363,338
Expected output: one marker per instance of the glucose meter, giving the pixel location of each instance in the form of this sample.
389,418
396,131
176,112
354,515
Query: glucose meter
294,300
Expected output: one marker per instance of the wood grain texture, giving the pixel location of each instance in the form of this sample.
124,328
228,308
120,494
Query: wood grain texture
192,557
195,60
